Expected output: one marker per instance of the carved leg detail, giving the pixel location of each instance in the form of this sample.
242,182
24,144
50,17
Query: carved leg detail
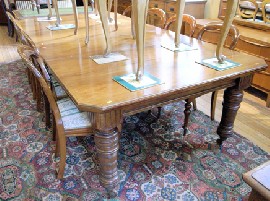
231,9
102,8
85,5
109,10
187,112
75,13
231,103
179,16
140,9
115,14
107,148
50,9
55,4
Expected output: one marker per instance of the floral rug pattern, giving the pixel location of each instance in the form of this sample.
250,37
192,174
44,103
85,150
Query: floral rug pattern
155,161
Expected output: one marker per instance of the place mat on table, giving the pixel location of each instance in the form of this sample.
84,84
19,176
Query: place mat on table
44,12
60,27
112,57
129,81
213,63
183,47
45,19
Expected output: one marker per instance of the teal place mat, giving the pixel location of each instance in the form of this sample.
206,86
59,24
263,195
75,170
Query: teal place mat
129,81
213,63
183,47
44,12
60,27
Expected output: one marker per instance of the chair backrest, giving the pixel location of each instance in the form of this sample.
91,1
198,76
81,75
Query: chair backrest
127,11
266,17
186,19
216,27
26,52
248,9
156,17
23,36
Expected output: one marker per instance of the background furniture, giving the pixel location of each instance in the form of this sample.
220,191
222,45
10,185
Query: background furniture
3,17
194,8
259,192
251,41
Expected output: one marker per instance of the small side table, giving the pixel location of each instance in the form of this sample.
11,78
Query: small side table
259,192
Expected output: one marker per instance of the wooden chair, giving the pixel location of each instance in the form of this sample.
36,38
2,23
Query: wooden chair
156,17
127,11
234,35
58,91
248,9
68,120
187,19
265,7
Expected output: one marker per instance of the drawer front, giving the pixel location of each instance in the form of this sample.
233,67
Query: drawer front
248,47
194,9
262,81
157,4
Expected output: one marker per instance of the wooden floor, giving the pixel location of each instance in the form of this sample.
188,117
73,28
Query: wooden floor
252,121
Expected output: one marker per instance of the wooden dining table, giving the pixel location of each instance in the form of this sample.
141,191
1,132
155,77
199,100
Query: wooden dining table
91,87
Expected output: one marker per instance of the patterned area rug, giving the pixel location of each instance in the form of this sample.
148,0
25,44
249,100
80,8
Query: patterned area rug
155,161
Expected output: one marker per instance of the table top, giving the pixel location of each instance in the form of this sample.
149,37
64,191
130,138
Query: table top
91,85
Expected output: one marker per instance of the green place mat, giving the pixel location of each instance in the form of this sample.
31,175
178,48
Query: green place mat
213,63
128,81
44,12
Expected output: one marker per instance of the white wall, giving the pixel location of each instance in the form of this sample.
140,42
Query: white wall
211,8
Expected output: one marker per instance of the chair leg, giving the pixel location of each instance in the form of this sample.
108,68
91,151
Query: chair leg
187,113
63,151
57,145
213,104
159,112
54,129
47,111
194,104
38,97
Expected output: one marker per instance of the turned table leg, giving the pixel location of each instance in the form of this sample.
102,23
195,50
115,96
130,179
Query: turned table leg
106,139
187,112
232,98
107,147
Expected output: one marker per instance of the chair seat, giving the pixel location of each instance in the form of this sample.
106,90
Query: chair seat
59,91
71,116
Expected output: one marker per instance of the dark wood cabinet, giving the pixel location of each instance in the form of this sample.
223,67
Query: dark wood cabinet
3,17
192,7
